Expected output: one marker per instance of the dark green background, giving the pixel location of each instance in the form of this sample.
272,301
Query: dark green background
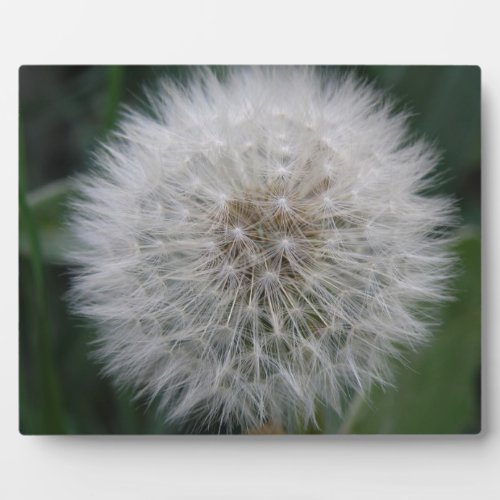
66,110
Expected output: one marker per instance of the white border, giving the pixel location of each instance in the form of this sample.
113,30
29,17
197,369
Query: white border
147,32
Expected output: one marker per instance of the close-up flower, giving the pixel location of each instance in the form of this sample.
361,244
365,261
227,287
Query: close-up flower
260,243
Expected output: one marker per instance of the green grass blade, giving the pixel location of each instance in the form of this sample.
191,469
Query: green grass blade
114,94
40,343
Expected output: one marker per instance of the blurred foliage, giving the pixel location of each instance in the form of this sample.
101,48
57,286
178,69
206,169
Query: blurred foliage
66,110
438,390
446,103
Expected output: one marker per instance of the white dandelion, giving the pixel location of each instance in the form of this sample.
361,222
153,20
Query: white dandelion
258,245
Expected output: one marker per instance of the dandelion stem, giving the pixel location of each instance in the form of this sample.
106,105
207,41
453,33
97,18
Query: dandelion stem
352,413
269,428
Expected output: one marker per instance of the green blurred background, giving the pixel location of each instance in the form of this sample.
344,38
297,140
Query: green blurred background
66,110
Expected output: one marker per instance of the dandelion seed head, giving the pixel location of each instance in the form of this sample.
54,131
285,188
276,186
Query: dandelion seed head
259,244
